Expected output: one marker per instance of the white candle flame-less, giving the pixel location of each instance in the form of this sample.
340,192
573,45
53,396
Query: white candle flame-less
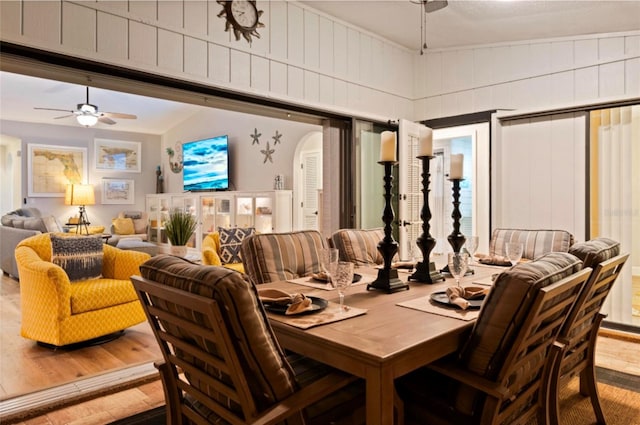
426,141
388,146
457,160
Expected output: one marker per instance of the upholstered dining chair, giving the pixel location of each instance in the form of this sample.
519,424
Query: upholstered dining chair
271,257
580,331
358,246
501,373
222,362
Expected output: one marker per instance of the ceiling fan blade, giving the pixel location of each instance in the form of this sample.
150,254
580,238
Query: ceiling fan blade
106,120
53,109
119,115
63,116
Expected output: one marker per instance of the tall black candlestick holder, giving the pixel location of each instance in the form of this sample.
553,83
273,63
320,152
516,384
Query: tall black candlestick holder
426,270
456,239
387,279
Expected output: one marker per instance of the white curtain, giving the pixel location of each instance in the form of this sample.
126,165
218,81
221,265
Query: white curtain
615,209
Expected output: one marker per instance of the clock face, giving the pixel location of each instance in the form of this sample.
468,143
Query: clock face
242,16
244,13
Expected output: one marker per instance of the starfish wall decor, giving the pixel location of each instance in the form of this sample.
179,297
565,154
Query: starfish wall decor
256,137
267,154
276,138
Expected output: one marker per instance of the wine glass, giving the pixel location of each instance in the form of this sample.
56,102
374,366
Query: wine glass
342,279
514,252
471,245
329,262
458,265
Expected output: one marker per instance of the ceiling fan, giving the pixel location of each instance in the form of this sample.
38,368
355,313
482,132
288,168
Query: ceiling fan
87,114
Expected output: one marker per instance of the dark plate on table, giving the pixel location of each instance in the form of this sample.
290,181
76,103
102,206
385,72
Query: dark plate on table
317,305
441,297
322,278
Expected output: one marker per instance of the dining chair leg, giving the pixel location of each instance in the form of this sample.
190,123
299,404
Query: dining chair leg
588,381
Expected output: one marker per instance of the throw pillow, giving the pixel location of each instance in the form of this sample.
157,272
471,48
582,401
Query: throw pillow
123,226
51,224
230,242
34,224
18,223
79,256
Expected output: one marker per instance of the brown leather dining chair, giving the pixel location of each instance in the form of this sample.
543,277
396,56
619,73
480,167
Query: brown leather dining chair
580,331
221,360
501,373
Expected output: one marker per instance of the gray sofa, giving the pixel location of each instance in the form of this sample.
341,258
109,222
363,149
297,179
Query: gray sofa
18,225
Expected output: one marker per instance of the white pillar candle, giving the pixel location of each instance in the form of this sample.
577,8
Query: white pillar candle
456,166
426,141
388,146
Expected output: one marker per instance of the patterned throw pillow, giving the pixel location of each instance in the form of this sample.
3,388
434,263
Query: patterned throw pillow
79,256
230,242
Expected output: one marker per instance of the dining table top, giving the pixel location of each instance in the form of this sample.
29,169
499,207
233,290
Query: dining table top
389,339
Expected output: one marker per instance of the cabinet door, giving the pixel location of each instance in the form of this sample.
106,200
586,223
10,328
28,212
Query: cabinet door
264,214
244,211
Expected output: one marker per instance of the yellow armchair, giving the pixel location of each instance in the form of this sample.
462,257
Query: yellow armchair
211,253
59,312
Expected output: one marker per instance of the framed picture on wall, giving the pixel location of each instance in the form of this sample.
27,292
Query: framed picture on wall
50,168
117,155
117,191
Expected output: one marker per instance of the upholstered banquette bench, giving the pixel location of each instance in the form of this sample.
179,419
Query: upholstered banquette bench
535,242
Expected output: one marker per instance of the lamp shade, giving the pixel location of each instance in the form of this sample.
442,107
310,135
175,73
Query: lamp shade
79,194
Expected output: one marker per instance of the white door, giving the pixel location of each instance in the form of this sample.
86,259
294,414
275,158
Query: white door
311,172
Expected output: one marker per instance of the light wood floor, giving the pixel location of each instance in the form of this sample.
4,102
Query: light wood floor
615,350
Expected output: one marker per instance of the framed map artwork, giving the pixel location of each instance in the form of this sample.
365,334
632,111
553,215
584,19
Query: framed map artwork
117,155
50,168
117,191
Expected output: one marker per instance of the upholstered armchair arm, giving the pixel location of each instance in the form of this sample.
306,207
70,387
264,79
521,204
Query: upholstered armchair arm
39,281
122,264
210,257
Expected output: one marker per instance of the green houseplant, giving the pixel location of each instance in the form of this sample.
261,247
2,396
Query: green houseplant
180,227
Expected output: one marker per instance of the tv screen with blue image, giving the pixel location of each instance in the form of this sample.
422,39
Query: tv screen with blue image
206,164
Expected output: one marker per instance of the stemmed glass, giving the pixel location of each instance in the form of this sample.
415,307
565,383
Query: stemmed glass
471,245
342,279
329,262
458,265
514,252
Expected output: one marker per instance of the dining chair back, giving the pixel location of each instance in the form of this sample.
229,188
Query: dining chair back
580,331
222,362
501,374
359,246
272,257
535,242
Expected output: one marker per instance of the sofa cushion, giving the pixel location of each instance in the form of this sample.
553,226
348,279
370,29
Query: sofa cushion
231,241
595,251
96,294
270,376
359,246
34,224
79,256
123,226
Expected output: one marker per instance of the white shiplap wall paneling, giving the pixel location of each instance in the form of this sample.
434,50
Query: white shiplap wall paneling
326,90
311,87
10,17
216,25
611,79
326,47
196,15
170,51
78,27
311,39
240,68
340,50
195,57
295,82
42,22
219,63
632,76
278,42
170,13
585,84
278,78
143,44
112,36
340,96
353,59
295,34
259,73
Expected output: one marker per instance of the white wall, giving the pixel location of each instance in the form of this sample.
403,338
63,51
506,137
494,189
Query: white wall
10,172
533,74
248,169
302,56
99,214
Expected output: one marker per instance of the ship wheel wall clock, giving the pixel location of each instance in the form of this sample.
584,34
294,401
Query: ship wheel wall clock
243,16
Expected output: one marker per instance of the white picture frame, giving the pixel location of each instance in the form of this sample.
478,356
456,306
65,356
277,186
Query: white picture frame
117,155
50,168
118,191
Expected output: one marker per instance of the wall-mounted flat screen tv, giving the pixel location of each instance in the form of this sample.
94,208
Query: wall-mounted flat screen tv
206,164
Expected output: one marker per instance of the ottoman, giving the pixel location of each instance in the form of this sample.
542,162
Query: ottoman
138,245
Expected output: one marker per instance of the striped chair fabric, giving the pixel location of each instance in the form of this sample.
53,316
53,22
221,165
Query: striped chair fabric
271,257
535,242
210,323
359,246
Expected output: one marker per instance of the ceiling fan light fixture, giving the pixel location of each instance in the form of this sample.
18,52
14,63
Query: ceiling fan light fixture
87,120
87,108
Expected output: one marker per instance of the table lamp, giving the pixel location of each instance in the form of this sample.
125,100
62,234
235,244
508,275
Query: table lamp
80,195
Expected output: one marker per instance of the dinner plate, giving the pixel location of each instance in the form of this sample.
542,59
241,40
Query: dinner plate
322,278
317,305
441,298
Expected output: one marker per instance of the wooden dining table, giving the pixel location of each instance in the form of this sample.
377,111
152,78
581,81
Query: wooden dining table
386,342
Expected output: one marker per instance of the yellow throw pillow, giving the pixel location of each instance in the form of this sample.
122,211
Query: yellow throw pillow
123,226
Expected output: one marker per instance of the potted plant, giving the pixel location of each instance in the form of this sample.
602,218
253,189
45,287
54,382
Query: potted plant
179,228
